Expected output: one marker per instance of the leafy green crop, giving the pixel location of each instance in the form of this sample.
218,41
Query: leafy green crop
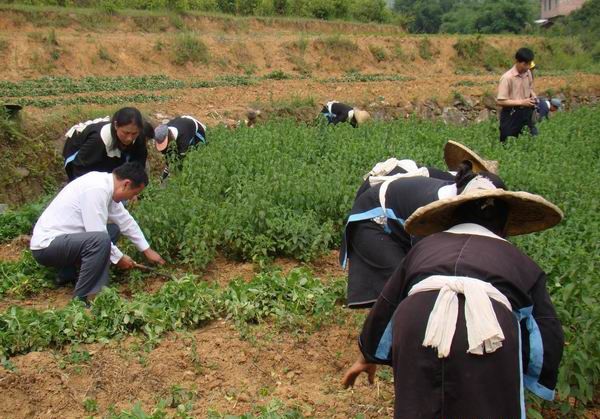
179,304
25,277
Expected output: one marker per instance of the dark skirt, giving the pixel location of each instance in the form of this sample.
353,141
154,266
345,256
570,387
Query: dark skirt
461,386
373,256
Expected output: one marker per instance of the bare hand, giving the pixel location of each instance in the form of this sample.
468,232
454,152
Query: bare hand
153,257
125,263
360,366
529,102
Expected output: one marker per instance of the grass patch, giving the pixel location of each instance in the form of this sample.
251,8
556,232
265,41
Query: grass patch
475,53
104,55
278,75
378,53
188,48
427,49
336,44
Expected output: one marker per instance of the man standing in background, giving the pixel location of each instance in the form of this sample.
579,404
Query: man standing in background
516,96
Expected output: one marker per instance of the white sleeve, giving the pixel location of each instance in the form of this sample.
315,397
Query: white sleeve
128,226
94,213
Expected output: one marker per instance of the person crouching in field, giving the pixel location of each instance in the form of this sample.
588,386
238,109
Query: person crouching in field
467,322
454,154
72,230
516,97
184,132
337,112
375,241
103,144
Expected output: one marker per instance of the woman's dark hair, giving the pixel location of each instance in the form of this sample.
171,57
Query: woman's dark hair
465,174
491,213
134,172
125,116
524,55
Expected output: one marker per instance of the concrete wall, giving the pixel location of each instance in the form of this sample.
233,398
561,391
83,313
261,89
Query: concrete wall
553,8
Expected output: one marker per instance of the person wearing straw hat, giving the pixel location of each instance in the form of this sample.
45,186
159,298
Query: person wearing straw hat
375,241
183,132
337,112
454,154
467,321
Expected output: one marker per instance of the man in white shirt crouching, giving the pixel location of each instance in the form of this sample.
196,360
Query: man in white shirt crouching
72,230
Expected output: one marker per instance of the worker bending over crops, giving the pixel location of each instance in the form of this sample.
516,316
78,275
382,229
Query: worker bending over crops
467,322
183,132
72,230
337,112
375,241
103,144
454,154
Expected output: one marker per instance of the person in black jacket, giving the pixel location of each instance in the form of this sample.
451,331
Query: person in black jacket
467,322
183,132
102,145
375,241
337,112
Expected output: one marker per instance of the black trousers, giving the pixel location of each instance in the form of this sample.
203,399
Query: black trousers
513,120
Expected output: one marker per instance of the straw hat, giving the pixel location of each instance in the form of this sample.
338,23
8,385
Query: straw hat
527,213
455,153
361,116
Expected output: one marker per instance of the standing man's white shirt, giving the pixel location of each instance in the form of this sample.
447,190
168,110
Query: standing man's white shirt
86,205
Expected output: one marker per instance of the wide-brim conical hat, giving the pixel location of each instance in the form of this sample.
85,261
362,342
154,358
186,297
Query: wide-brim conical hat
527,213
455,153
361,116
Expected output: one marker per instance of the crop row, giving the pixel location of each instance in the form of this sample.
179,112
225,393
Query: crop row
57,86
182,303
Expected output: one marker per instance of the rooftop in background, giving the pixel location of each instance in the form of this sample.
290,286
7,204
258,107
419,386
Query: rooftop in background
553,8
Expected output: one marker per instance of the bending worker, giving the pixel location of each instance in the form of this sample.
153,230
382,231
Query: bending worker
375,241
337,112
183,132
72,230
104,144
467,322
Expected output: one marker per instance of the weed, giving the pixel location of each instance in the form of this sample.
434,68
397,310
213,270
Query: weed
378,53
277,75
337,44
90,406
427,49
104,55
188,48
3,45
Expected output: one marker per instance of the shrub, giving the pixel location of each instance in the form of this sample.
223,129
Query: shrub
378,52
188,48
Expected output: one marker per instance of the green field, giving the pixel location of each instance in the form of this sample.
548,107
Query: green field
283,189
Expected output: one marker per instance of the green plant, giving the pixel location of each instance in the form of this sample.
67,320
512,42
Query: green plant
378,53
90,406
188,48
277,75
427,50
104,55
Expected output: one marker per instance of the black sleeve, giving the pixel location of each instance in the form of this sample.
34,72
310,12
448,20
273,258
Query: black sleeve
91,155
375,339
140,152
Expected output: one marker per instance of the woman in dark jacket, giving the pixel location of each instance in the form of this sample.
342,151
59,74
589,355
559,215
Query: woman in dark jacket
375,241
466,322
102,145
176,137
